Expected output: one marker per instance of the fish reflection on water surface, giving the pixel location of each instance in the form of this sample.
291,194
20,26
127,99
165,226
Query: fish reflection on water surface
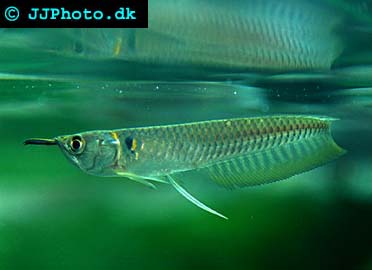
258,34
254,34
244,41
232,152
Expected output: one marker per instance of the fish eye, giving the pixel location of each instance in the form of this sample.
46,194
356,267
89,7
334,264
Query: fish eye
77,144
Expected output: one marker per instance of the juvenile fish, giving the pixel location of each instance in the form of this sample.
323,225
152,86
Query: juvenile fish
233,152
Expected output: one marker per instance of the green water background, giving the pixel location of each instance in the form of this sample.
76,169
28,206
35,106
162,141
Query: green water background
53,216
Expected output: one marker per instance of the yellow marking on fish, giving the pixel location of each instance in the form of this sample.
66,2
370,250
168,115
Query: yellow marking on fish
134,145
115,136
118,46
136,155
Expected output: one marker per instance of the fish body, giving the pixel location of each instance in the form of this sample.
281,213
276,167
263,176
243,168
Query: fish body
231,152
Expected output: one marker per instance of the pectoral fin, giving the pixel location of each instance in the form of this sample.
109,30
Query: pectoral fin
137,178
189,197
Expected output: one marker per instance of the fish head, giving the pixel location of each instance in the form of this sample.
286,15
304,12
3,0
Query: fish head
93,152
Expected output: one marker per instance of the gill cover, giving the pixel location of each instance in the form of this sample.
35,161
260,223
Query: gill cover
93,152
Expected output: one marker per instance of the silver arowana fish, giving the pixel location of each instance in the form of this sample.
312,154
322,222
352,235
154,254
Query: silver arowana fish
233,153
